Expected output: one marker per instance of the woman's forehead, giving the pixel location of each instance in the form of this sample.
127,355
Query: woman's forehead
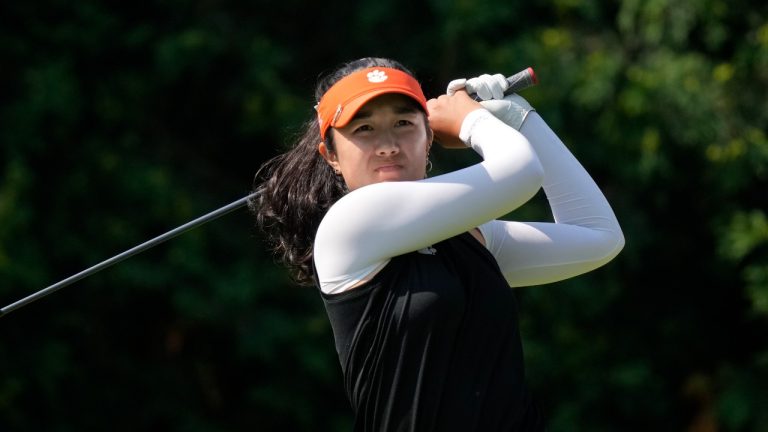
397,103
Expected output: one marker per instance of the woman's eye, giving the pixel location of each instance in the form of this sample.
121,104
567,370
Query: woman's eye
404,123
363,128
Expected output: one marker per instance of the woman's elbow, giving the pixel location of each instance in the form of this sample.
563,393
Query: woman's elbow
613,245
534,174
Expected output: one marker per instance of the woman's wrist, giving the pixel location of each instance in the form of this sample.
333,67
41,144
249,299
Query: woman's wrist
470,121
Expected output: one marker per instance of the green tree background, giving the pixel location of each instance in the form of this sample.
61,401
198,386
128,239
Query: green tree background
120,121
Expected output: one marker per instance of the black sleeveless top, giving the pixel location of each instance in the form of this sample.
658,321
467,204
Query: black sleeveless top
432,343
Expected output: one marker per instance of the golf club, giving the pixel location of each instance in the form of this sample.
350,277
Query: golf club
517,82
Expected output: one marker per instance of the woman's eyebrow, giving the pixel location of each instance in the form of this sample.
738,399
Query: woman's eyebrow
398,109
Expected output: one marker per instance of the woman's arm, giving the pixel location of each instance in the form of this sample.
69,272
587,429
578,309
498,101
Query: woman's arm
585,235
370,225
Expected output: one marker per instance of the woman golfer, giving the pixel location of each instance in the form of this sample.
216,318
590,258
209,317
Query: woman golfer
415,271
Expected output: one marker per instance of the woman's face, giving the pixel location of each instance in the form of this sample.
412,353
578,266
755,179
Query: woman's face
387,140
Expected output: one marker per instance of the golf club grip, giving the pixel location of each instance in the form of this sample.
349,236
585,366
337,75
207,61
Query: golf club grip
521,81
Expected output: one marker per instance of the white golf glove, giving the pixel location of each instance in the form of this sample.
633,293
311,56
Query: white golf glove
485,86
512,110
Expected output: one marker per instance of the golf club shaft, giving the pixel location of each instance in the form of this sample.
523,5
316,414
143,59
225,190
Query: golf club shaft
127,254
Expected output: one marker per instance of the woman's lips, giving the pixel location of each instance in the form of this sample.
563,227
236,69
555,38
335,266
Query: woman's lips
388,168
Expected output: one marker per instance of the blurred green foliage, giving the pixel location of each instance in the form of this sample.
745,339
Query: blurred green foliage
120,121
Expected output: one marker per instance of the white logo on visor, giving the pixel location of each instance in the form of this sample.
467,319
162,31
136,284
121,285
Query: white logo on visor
377,76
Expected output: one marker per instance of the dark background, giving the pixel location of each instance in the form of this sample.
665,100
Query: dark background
122,120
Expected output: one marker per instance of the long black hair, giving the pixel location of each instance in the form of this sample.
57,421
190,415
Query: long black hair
296,189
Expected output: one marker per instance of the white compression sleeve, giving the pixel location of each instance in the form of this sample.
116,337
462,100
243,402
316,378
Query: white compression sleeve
585,235
370,225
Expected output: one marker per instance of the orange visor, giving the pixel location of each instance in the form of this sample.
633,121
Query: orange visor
340,103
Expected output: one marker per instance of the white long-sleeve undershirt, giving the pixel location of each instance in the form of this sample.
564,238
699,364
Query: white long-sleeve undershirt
585,235
366,228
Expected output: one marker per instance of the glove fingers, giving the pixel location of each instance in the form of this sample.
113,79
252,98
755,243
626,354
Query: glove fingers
487,86
499,84
455,85
479,87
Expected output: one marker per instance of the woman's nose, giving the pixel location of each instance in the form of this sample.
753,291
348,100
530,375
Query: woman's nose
388,145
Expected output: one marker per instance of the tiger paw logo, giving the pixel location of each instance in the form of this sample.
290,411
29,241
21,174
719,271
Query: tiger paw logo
377,76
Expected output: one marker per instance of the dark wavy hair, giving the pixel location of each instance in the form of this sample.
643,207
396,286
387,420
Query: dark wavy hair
295,189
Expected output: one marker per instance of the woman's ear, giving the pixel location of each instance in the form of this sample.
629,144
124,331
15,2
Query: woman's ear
329,156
